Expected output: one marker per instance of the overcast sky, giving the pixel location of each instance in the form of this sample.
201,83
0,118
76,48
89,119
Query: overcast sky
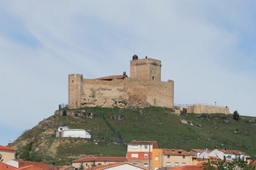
207,47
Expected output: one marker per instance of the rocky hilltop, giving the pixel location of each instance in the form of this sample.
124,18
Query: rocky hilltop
112,128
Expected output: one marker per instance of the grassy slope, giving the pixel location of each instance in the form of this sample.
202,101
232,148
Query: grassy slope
152,123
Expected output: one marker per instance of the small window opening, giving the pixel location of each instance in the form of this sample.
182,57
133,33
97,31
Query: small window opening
153,77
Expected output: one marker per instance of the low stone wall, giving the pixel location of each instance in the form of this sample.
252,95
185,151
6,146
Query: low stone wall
199,109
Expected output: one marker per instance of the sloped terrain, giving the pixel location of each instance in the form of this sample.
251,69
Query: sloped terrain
112,128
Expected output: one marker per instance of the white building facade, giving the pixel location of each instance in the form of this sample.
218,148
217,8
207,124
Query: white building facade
66,132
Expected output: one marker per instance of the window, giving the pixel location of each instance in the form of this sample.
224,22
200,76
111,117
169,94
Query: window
183,164
145,164
145,155
168,163
153,77
168,156
229,157
135,155
146,146
156,158
183,157
134,147
176,164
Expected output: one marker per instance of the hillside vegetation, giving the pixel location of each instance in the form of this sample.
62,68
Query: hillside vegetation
113,128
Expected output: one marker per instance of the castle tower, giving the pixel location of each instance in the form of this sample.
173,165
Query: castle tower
147,68
75,90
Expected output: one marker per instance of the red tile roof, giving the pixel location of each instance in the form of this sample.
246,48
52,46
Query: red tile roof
253,162
198,150
154,143
112,77
103,167
176,152
65,167
4,166
42,166
30,167
101,159
235,152
7,148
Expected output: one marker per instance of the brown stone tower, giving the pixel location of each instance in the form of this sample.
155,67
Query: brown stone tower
75,90
147,68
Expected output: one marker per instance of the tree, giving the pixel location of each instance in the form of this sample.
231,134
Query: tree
236,116
1,158
81,166
238,164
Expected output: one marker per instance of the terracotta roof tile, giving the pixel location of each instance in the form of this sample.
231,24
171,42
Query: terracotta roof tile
235,152
177,152
100,159
7,148
154,143
253,162
198,150
103,167
4,166
30,167
40,165
112,77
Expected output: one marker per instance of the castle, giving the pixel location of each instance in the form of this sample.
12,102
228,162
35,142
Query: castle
143,88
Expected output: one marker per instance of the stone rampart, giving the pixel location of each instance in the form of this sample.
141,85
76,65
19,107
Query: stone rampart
200,108
128,92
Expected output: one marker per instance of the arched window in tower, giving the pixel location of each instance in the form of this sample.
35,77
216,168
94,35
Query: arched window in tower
153,77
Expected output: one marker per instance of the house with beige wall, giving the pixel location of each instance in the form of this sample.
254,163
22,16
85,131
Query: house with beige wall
7,153
176,157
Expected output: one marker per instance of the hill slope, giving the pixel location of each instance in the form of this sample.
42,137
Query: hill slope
111,129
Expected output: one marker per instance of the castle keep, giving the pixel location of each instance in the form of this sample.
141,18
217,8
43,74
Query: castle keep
143,88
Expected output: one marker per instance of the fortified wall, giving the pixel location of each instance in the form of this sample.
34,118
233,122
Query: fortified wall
143,88
200,108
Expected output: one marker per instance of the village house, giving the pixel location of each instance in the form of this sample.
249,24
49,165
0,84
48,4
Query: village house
176,157
4,166
234,154
7,153
140,153
66,132
21,164
229,155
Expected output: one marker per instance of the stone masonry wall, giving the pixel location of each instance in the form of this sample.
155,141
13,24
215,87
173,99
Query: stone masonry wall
199,109
127,93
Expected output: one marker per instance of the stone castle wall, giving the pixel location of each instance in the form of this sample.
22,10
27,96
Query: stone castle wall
199,109
143,89
148,68
127,93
